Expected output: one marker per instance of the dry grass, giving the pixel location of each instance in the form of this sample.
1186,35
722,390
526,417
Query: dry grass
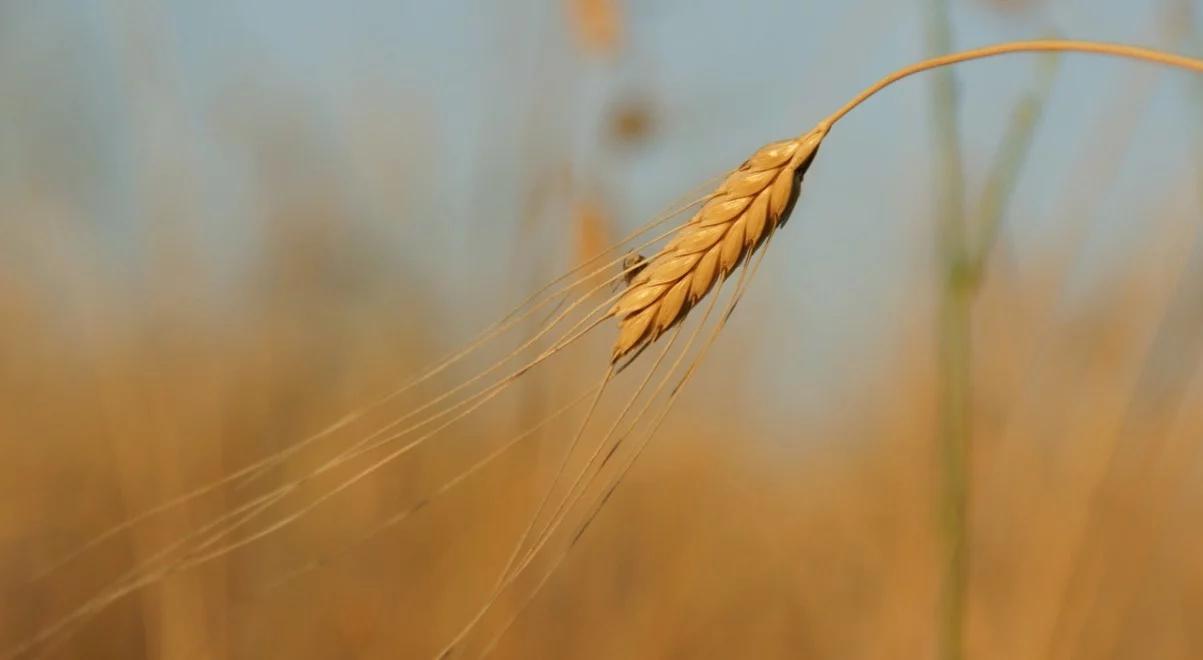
714,548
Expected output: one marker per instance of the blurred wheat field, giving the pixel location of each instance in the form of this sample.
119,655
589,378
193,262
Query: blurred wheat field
160,338
713,549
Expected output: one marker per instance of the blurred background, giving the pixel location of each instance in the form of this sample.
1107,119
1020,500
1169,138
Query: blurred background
223,225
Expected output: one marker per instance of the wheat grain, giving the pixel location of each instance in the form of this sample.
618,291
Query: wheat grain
751,203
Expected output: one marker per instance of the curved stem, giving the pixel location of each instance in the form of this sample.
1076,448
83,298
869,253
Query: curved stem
1036,46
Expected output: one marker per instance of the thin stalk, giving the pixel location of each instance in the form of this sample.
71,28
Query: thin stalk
953,446
963,262
1007,165
954,352
1034,46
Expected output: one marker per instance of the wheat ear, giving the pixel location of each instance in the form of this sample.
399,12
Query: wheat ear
754,200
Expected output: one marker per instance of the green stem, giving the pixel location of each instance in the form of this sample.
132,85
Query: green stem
1007,165
955,349
955,359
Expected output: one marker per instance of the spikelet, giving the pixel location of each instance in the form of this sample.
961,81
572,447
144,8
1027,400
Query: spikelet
753,201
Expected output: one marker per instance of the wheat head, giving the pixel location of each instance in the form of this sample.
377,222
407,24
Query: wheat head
753,201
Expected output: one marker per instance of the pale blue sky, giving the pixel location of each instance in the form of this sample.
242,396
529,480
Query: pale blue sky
439,111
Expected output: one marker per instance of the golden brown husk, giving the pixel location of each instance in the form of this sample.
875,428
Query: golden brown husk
753,201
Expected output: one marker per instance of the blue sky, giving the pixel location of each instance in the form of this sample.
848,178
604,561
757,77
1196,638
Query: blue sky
429,120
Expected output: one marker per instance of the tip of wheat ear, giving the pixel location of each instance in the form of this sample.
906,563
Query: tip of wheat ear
752,201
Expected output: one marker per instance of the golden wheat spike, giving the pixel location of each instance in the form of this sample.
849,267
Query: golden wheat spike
754,200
